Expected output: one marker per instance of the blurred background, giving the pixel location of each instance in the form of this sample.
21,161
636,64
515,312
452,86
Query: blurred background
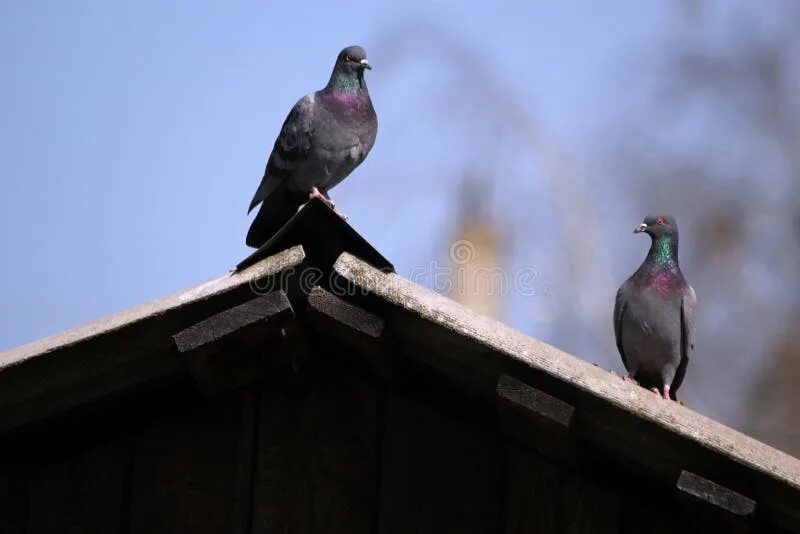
539,134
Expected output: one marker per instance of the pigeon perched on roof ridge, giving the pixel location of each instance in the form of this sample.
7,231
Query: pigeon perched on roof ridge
654,318
326,135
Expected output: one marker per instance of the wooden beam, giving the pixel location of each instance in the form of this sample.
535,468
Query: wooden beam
359,332
542,409
711,504
237,346
536,418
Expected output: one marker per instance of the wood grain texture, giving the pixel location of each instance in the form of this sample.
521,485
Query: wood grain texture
316,464
191,470
438,473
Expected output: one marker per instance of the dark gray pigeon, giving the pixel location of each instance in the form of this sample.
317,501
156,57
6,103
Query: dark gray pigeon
326,135
654,314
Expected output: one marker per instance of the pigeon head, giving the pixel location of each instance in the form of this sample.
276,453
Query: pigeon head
352,59
348,73
658,226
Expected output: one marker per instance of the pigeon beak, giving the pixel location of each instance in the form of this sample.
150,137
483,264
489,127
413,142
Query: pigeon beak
365,64
641,228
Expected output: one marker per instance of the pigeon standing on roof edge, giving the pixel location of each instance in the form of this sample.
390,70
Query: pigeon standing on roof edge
654,313
326,135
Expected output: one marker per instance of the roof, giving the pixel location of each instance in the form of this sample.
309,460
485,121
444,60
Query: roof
328,279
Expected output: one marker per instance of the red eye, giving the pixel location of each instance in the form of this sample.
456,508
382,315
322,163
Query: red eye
660,221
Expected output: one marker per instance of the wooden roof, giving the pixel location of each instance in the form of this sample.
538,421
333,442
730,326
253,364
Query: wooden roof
565,407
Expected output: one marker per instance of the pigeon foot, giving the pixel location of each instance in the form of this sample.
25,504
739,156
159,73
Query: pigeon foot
629,378
315,193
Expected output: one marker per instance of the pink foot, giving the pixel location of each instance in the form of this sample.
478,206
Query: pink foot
315,193
655,390
339,213
629,378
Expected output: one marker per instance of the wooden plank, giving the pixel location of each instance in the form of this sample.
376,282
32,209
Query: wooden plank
533,486
237,346
345,313
536,418
271,307
191,469
714,506
359,332
542,409
587,507
438,473
316,463
80,490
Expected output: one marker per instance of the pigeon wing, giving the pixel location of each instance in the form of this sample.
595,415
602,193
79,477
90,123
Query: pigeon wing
291,148
619,312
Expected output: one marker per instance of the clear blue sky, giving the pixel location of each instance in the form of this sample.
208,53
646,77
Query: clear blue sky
134,133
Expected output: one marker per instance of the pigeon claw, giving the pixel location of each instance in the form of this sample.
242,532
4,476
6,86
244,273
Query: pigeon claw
629,378
315,193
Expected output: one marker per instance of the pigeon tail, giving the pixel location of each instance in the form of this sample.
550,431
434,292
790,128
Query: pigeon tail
275,211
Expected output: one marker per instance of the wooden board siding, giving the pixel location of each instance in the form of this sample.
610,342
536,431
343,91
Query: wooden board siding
439,473
322,449
189,468
316,465
80,490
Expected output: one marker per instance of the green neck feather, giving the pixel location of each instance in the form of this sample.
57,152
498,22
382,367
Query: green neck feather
664,251
341,81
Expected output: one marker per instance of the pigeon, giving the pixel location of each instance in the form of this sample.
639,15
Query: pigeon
654,314
326,135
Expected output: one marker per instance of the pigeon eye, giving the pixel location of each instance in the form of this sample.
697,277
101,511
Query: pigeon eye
660,221
347,59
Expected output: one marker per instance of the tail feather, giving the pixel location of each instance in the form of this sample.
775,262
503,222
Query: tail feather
275,211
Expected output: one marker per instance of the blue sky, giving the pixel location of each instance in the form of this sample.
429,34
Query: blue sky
135,133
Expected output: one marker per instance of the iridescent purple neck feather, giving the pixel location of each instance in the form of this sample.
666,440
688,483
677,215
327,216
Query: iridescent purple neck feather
660,268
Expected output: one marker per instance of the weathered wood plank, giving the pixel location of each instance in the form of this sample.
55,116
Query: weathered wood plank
316,464
343,312
712,505
191,470
268,308
237,346
359,332
80,490
438,473
536,418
